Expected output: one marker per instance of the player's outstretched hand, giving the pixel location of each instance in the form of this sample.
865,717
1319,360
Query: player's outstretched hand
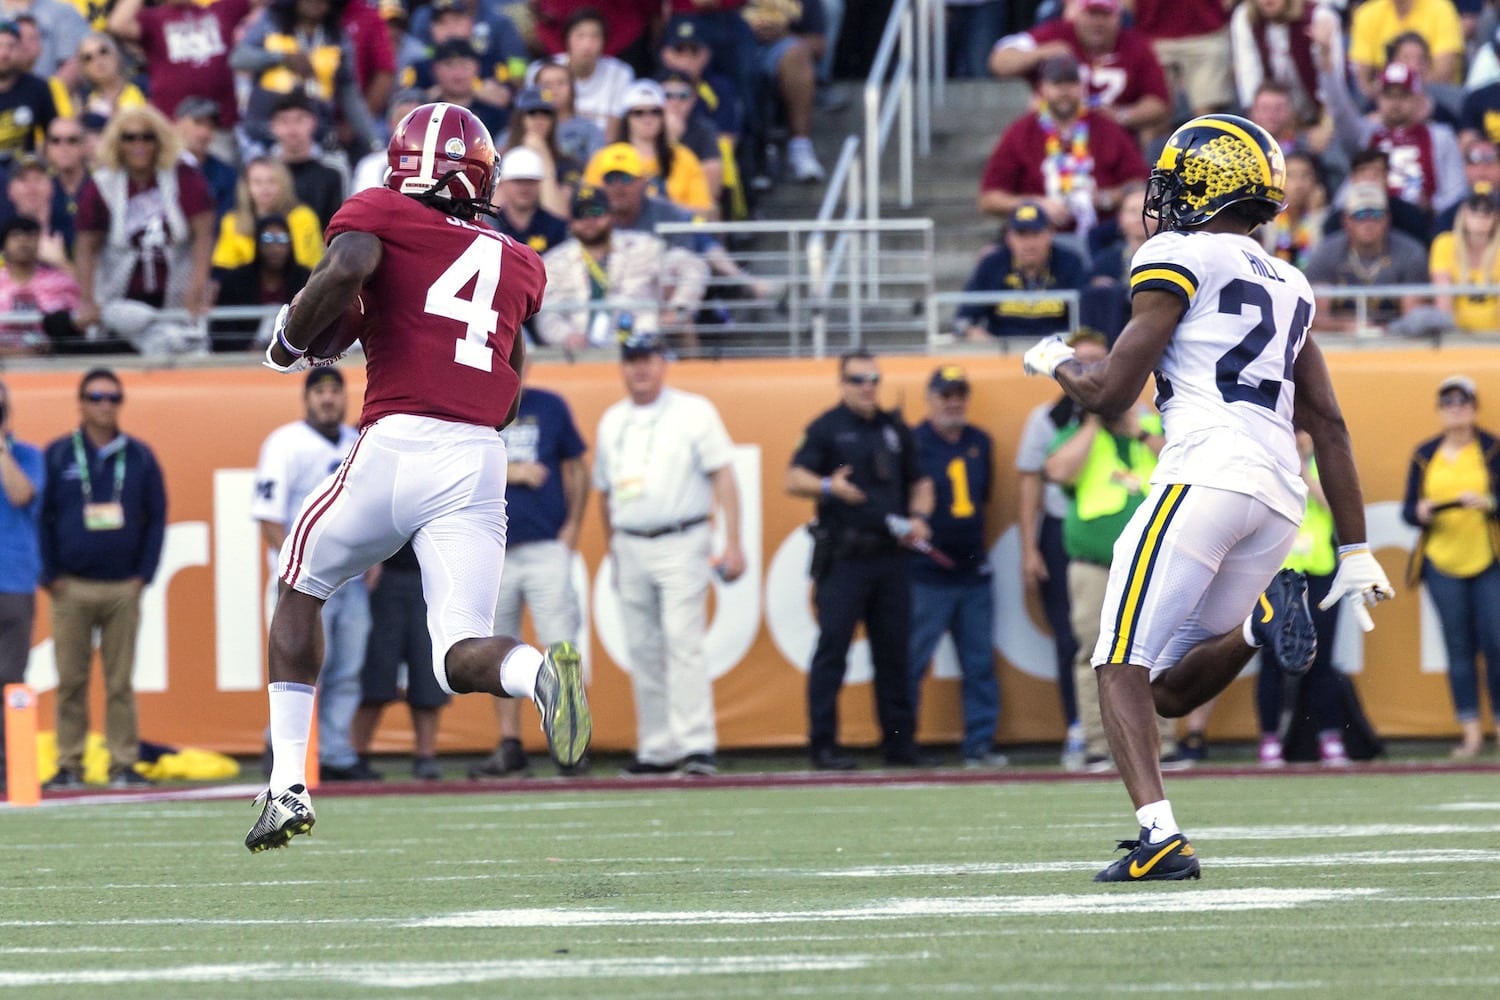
1362,583
1046,355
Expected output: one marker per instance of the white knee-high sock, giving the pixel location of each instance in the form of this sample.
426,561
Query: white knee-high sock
518,671
291,718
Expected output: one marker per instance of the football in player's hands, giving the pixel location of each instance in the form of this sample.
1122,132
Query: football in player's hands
340,335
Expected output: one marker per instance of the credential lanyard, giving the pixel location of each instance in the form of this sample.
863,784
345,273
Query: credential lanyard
83,469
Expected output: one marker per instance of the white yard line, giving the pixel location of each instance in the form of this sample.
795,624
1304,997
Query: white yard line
410,975
902,909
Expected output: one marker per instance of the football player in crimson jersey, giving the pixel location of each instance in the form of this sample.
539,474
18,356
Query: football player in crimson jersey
1223,325
444,299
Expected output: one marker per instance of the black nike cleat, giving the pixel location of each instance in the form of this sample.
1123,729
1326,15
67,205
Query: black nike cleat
1282,622
1172,860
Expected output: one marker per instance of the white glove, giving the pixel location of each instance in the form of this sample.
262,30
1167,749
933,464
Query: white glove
278,334
1046,355
1362,583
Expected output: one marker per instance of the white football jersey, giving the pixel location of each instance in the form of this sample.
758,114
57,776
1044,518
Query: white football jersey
293,460
1224,383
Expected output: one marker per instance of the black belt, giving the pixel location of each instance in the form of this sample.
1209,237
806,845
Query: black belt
670,529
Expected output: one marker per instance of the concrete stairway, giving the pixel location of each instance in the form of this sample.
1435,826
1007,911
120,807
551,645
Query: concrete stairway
946,183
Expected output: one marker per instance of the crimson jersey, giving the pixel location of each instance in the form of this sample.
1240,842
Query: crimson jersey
1117,78
444,309
1160,19
1019,163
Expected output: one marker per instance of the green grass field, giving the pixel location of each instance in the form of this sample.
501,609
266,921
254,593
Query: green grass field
1362,886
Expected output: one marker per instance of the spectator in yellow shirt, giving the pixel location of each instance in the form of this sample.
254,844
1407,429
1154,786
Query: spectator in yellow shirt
104,85
1378,22
266,188
1450,496
1467,255
671,168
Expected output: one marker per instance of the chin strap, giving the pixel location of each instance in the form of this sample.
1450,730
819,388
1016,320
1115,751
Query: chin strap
465,208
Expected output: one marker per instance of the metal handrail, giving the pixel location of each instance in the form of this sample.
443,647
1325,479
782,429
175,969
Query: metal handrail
816,295
880,114
939,300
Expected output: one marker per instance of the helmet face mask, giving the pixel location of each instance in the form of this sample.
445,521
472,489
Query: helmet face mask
1210,163
443,155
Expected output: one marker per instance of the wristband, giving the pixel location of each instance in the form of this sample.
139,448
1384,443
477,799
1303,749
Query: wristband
281,339
1345,550
827,486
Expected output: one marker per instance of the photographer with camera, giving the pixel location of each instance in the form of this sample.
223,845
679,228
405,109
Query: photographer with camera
859,463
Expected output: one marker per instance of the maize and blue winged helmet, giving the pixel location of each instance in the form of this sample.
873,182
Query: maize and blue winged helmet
1210,163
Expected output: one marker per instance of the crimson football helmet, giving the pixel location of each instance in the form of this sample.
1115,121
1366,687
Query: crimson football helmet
443,153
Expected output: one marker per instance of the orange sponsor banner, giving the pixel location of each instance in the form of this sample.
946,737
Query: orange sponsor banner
200,668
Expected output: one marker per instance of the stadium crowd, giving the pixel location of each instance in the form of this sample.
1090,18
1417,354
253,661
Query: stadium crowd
185,154
1388,112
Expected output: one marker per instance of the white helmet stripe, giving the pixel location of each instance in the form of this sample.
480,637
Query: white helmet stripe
429,140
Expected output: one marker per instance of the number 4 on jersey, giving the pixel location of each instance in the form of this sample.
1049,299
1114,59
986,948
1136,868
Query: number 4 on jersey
480,263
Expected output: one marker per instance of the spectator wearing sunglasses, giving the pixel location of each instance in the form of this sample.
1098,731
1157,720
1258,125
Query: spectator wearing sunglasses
104,85
577,137
103,521
1469,254
533,125
145,236
860,465
270,279
67,163
671,169
690,126
1366,252
266,189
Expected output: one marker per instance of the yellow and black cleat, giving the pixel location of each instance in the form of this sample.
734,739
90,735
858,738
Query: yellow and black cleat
1172,860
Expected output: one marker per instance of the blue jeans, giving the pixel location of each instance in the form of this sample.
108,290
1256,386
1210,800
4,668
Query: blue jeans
1469,609
967,612
973,30
346,633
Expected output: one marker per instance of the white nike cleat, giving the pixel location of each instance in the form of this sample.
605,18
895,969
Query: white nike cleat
284,817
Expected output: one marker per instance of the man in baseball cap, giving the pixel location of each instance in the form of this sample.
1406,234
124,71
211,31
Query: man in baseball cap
950,585
1028,217
521,164
1457,389
616,162
520,213
948,379
1027,260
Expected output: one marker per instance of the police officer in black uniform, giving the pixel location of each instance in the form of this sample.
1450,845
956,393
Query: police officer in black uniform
860,464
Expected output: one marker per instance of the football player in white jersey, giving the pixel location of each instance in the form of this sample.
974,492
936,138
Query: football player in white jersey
1224,327
295,459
